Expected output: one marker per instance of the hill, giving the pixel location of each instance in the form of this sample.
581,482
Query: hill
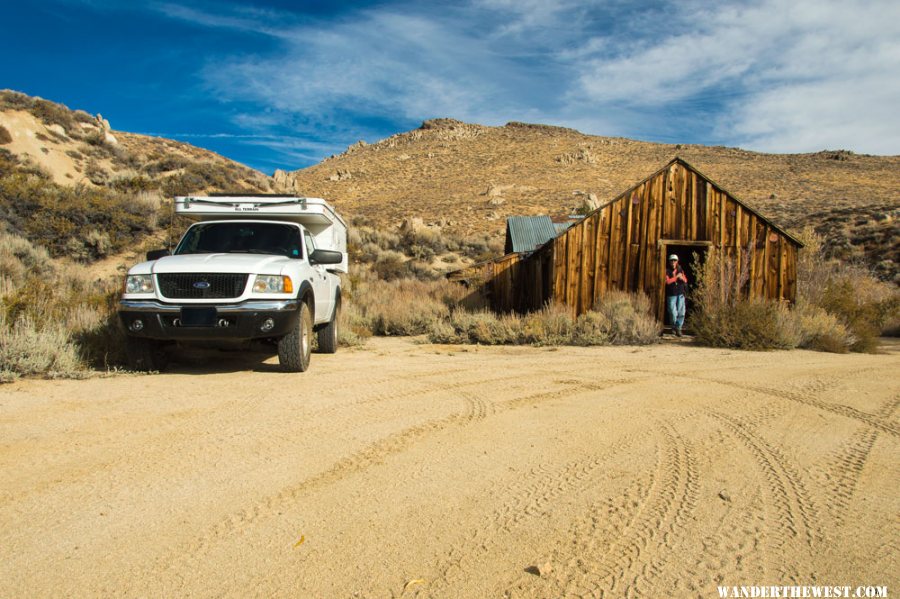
462,179
469,178
73,185
72,147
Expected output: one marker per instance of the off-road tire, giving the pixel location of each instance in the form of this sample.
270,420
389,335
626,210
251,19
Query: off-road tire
328,334
145,355
294,348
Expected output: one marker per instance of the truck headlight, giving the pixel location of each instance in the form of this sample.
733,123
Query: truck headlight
139,284
273,284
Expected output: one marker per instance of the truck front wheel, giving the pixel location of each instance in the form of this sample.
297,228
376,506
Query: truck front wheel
328,334
145,355
295,347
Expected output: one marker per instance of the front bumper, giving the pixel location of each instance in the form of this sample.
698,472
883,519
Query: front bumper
225,322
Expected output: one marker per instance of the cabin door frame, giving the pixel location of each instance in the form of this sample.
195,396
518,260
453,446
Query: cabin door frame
663,245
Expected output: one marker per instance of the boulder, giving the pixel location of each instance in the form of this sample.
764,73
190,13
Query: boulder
588,202
357,146
412,225
58,129
282,178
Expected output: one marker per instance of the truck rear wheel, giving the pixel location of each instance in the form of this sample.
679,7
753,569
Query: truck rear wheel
328,334
145,355
295,347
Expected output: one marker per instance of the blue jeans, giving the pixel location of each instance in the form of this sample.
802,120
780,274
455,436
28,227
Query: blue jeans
676,310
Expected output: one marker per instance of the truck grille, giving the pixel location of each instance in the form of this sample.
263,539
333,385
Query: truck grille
201,285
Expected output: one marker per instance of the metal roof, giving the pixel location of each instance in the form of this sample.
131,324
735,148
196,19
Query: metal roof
527,233
564,226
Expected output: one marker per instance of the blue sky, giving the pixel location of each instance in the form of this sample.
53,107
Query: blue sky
283,84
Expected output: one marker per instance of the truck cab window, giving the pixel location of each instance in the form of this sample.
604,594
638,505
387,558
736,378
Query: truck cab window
242,238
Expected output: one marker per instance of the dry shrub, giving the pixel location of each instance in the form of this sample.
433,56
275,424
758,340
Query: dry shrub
28,349
725,318
484,327
417,247
823,318
96,330
552,325
591,328
58,217
399,306
864,305
390,265
5,136
627,319
352,328
746,324
54,321
622,319
822,331
18,257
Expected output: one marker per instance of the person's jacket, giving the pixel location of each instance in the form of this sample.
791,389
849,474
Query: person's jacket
675,285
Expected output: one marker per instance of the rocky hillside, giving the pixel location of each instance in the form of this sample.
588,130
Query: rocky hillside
72,185
469,178
461,179
72,147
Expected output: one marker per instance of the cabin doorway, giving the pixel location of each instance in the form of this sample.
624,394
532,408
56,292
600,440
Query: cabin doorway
691,257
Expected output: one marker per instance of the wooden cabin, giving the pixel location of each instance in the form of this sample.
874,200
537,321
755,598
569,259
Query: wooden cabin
623,245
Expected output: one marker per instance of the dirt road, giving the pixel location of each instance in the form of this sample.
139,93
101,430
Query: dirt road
654,472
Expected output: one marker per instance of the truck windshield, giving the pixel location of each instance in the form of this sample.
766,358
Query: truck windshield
243,238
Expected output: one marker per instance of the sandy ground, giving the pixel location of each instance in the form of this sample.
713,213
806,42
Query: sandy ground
422,470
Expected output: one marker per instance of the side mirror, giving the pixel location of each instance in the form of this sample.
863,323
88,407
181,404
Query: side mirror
157,254
326,257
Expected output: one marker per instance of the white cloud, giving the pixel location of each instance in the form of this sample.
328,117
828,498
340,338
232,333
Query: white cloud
772,75
782,77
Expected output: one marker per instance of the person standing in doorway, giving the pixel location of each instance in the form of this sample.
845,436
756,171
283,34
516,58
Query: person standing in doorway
676,286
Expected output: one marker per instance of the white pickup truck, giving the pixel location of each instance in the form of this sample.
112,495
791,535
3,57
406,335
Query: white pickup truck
254,270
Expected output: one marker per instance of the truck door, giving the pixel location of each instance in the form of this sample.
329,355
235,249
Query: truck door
320,285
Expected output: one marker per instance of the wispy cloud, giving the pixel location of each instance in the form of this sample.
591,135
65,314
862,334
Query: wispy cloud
769,75
774,76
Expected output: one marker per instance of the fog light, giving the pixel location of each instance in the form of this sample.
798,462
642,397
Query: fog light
267,325
136,325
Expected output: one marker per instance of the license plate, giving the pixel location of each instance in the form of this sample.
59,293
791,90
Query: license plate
198,317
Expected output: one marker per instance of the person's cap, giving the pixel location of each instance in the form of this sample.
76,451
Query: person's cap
673,257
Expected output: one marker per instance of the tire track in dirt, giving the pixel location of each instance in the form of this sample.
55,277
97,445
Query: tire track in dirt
418,391
527,498
168,423
157,425
465,380
796,518
652,513
474,409
804,398
680,500
842,475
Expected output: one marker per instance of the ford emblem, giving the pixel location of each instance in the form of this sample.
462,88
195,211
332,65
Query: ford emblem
201,285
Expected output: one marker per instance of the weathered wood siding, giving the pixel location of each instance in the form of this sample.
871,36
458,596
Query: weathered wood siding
511,283
622,246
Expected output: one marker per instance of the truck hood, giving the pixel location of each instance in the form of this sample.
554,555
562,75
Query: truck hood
236,263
